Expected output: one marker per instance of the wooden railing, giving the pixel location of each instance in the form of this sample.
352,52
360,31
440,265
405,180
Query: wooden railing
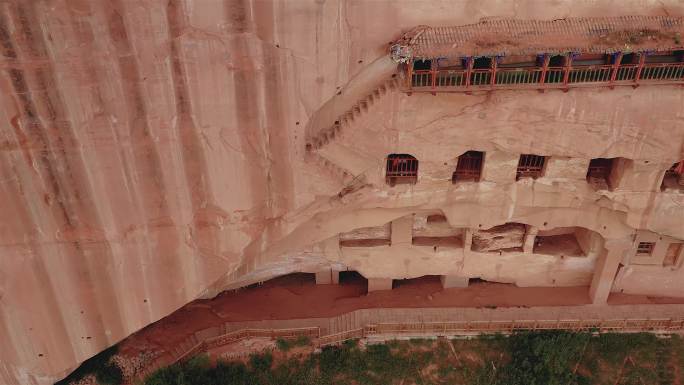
455,328
398,329
232,337
445,80
439,328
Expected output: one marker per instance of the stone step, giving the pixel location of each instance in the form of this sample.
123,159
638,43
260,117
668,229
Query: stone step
345,121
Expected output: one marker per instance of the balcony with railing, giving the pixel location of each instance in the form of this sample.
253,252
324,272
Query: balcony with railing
543,54
542,76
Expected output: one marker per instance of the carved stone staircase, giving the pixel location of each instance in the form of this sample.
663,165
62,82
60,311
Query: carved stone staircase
347,119
331,168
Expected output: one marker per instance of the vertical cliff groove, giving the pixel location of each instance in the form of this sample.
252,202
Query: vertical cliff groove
141,155
75,180
151,154
33,139
203,235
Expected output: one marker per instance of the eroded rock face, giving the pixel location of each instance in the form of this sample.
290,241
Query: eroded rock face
509,236
154,152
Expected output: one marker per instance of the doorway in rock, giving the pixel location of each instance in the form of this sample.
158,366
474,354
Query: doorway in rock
418,281
479,281
351,277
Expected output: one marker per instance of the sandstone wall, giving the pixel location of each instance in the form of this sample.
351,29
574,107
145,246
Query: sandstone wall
154,152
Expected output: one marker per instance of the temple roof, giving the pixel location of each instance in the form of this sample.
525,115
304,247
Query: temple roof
506,37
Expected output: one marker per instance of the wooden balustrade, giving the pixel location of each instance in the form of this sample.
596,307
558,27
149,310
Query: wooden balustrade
543,77
451,328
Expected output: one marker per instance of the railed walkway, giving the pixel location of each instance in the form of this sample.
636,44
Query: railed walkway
378,323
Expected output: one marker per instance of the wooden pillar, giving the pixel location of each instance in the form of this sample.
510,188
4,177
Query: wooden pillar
566,71
545,68
410,74
640,68
492,80
433,74
469,70
615,69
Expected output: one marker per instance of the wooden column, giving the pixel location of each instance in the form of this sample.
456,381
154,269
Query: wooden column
492,81
469,71
616,67
566,71
545,68
433,74
410,75
640,68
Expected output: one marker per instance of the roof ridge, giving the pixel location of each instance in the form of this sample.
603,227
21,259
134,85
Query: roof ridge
590,34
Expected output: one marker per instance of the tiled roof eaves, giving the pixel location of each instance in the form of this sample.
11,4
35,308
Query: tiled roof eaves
528,37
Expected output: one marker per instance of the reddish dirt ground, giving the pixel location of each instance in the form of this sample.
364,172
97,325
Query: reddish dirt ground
297,296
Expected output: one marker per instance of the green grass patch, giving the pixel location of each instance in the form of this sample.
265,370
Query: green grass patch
287,344
539,358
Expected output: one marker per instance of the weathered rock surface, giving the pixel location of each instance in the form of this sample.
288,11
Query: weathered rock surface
504,237
153,152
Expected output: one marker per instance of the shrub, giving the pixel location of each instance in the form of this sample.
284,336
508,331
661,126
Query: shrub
543,358
286,344
302,341
283,344
526,358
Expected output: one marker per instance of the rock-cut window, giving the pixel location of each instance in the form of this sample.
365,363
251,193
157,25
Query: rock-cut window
401,169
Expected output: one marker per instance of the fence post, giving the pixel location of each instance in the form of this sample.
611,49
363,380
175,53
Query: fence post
566,71
640,68
469,70
492,81
545,68
616,66
409,79
433,73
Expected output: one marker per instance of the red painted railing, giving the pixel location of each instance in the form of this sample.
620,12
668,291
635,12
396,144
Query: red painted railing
540,77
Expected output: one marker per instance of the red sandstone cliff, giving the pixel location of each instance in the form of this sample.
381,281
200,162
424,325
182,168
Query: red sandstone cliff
154,151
